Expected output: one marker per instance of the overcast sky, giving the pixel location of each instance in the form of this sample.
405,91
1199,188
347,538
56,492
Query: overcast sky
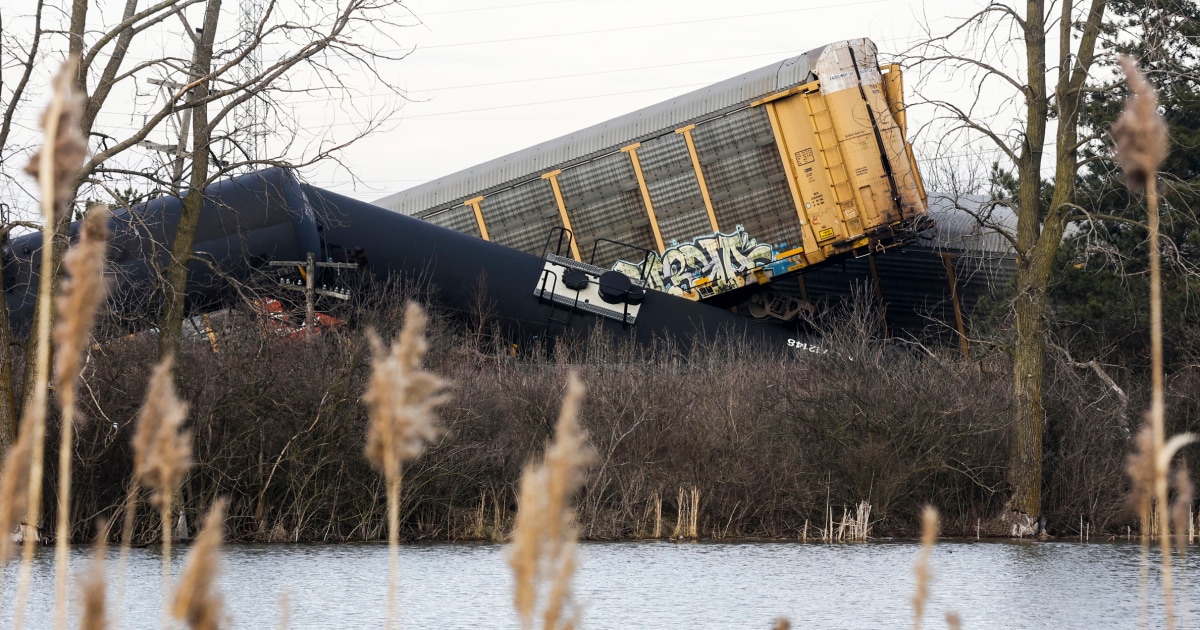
489,78
484,79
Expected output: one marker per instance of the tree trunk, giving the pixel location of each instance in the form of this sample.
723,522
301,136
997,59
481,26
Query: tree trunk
1039,233
1025,438
175,289
79,9
8,400
60,243
1025,456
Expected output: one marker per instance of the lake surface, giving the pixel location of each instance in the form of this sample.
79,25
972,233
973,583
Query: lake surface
663,585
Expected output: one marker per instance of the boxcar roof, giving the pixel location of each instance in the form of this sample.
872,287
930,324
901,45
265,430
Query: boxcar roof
606,137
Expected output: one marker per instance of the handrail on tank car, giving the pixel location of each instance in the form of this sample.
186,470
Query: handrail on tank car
645,259
551,276
562,232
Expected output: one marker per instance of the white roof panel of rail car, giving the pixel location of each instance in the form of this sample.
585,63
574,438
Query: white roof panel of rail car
606,137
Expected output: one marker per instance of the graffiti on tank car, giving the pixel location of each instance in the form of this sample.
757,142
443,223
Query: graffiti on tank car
718,260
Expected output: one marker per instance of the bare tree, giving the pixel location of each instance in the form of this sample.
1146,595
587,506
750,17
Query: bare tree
1057,54
217,91
17,57
328,50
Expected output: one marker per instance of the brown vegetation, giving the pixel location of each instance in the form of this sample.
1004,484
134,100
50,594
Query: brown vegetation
929,534
545,533
197,602
767,441
1141,138
400,399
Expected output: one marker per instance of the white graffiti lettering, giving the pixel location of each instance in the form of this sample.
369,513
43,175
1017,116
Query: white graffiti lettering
719,262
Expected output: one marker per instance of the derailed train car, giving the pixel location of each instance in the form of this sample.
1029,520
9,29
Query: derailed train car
245,222
252,221
715,196
739,184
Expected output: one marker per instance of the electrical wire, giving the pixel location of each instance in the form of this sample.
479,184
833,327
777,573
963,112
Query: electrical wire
635,27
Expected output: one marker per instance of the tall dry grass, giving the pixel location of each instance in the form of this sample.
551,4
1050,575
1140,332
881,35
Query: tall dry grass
55,167
162,455
1141,140
196,601
14,491
545,536
930,524
95,585
401,398
80,299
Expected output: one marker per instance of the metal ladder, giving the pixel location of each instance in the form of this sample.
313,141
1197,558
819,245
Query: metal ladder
831,155
565,237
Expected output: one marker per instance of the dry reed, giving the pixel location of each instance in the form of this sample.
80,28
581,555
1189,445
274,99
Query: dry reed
94,606
1181,510
1140,133
400,398
679,516
657,500
544,539
856,526
1141,142
285,611
162,454
82,293
929,533
14,491
55,166
197,602
1140,468
479,517
687,514
860,530
693,529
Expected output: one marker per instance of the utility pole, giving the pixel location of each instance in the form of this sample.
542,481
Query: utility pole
308,268
183,120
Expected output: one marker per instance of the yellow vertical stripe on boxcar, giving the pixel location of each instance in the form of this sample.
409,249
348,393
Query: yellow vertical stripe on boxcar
641,180
474,203
562,211
686,132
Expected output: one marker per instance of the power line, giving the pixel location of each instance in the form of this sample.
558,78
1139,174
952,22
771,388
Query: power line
495,107
509,82
499,8
557,100
558,76
647,26
598,72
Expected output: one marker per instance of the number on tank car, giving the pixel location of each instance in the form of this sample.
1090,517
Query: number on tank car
802,346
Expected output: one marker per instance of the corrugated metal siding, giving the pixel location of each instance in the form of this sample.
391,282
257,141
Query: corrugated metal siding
916,291
671,180
460,219
603,201
745,176
959,228
603,138
522,217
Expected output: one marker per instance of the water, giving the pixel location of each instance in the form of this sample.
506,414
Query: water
663,585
